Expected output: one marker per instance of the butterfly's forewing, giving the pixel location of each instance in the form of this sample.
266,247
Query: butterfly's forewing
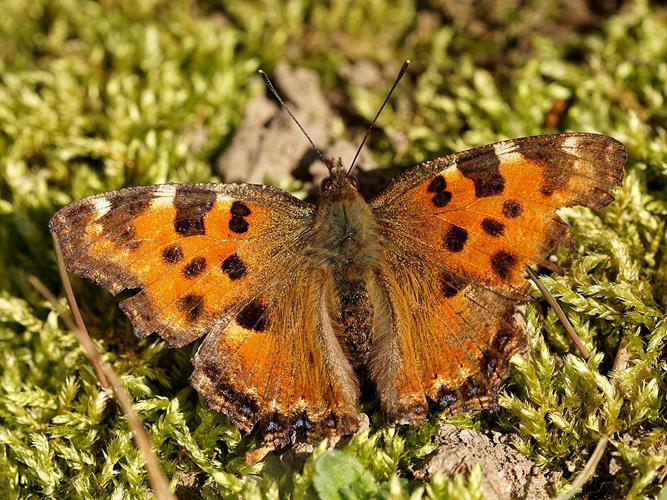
459,231
207,258
197,252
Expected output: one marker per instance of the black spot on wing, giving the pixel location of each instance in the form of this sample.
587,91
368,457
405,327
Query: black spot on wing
194,268
237,222
172,254
438,184
192,206
240,209
493,227
503,263
192,305
455,239
512,209
234,267
253,317
440,197
481,165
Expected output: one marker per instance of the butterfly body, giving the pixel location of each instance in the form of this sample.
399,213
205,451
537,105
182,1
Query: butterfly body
417,287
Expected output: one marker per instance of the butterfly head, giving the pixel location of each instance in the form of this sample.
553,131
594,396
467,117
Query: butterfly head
339,180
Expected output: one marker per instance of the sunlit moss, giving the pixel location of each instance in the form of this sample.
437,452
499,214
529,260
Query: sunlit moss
98,95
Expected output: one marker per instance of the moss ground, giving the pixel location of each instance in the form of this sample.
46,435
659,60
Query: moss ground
99,95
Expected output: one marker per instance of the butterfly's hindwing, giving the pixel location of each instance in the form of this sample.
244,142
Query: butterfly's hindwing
451,347
282,365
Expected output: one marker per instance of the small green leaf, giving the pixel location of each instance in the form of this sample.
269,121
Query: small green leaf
341,476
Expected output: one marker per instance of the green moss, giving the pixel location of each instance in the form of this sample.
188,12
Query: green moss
94,96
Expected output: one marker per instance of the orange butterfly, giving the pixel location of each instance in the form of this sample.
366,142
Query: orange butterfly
416,288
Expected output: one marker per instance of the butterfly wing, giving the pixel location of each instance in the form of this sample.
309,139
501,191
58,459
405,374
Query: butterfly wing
303,387
208,258
459,231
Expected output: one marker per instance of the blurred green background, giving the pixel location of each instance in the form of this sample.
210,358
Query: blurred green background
99,95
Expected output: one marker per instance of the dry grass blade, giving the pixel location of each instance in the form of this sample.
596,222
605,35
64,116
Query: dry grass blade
619,364
81,336
587,471
560,313
601,446
107,375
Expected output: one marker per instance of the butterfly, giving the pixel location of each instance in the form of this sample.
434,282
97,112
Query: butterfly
415,289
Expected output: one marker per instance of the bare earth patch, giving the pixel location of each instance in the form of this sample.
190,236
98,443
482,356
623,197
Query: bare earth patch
506,472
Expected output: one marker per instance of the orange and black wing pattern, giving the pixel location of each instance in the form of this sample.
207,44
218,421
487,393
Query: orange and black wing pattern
208,258
284,368
197,252
459,232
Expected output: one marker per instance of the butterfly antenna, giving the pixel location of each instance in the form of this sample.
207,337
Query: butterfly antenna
289,112
404,68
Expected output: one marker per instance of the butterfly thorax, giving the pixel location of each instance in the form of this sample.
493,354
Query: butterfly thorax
345,236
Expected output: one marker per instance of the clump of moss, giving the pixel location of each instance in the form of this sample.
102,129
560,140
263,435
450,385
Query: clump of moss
95,96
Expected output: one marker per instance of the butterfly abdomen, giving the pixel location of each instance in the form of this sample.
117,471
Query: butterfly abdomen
355,312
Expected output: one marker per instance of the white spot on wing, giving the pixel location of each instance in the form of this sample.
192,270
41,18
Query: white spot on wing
506,151
164,195
101,206
224,198
571,142
571,147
